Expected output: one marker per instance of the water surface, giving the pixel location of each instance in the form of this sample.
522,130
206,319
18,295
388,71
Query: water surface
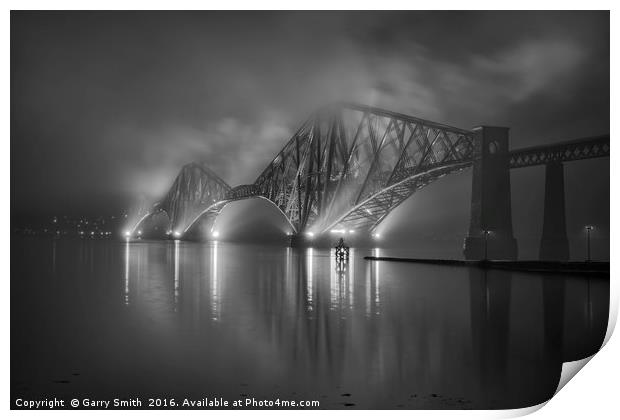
107,319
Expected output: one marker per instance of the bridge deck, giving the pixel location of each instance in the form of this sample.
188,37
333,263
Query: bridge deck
582,148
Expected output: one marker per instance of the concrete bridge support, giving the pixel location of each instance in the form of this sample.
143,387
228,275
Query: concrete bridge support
554,241
490,230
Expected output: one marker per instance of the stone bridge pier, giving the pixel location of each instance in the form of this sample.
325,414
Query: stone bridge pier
554,241
490,230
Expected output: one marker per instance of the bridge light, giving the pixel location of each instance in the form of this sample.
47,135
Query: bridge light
588,229
338,231
139,232
127,233
177,234
376,235
215,234
486,242
310,234
351,231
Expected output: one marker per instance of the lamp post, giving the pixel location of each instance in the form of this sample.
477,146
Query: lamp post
486,246
588,229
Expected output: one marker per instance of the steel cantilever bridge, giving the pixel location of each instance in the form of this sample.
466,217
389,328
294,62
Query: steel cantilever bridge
349,166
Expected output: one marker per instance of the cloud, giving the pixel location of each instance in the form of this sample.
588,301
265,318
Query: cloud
238,145
234,149
136,96
518,73
479,85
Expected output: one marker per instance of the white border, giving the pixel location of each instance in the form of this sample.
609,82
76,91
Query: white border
592,395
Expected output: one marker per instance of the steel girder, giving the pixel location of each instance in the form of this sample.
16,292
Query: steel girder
583,148
195,189
368,214
241,192
347,164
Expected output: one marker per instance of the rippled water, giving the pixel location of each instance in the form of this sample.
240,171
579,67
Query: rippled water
106,319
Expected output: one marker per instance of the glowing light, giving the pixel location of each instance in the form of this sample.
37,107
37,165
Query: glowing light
351,284
127,233
351,231
139,232
337,231
377,280
127,273
309,285
376,235
215,286
310,234
177,234
176,275
215,234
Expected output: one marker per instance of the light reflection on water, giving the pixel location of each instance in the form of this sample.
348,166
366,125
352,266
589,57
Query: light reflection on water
217,319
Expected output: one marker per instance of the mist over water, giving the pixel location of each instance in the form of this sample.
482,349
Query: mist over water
106,319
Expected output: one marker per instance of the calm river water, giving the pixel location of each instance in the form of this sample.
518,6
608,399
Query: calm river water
104,319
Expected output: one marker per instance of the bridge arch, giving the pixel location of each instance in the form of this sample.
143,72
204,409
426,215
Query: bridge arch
342,160
351,165
369,213
214,211
152,213
345,154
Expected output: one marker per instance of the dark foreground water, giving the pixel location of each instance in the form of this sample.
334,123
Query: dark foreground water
105,319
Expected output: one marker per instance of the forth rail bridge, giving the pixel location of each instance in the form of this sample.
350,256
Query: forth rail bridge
348,166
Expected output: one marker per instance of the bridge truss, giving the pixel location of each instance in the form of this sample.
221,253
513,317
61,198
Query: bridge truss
353,164
347,168
578,149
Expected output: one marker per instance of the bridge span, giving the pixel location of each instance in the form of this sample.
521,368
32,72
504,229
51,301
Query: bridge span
348,166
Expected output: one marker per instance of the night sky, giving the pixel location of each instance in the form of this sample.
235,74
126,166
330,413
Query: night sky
106,106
